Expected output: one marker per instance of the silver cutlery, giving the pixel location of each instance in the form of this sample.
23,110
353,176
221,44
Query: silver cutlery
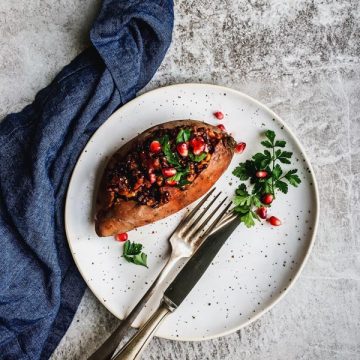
177,291
185,240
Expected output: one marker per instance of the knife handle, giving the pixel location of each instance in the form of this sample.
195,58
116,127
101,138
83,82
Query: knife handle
134,347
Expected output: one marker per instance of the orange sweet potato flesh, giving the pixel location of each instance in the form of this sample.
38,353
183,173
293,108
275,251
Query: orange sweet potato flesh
125,215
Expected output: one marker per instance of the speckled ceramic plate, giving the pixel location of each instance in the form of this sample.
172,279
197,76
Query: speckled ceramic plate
256,266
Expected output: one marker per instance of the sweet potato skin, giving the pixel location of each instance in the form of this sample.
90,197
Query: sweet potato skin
128,215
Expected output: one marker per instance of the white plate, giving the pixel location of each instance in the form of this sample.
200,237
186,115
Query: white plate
256,266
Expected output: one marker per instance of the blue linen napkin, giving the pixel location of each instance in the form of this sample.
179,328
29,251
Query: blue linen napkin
40,287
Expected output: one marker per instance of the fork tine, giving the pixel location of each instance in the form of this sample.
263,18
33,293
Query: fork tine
228,218
199,227
192,213
191,226
215,222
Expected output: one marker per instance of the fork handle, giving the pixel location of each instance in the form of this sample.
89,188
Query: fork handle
106,350
134,347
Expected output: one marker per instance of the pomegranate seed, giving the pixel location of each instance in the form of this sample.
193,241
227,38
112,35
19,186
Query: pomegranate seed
274,221
219,115
155,146
122,237
221,127
198,145
168,172
262,212
261,174
152,178
267,199
182,149
240,147
171,182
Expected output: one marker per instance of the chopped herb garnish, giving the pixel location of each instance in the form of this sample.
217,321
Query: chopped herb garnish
132,252
183,135
171,157
198,158
265,175
180,175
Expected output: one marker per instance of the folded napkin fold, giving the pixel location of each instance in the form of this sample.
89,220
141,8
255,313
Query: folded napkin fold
40,287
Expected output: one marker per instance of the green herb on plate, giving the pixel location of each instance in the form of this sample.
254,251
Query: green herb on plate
132,252
266,177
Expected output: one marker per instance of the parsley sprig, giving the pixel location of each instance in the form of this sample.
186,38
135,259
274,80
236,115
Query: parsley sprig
173,158
132,252
276,179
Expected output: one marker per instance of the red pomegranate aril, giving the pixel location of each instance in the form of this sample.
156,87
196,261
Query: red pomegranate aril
261,174
198,145
168,172
152,178
221,127
274,221
182,149
267,199
219,115
122,237
240,147
262,212
155,146
171,182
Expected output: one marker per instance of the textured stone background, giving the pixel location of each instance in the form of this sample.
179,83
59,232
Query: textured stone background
299,57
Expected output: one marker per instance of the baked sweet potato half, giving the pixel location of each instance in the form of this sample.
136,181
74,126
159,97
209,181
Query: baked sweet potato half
159,172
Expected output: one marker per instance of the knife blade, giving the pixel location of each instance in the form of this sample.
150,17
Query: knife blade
194,269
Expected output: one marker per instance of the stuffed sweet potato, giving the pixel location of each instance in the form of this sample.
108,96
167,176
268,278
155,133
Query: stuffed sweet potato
159,172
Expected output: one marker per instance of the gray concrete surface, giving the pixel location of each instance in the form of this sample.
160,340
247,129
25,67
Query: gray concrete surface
301,58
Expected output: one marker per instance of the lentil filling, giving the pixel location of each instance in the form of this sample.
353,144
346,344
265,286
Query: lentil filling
169,157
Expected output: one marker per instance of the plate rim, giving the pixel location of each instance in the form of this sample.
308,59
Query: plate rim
313,178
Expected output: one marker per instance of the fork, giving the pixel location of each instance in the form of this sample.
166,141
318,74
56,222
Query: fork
184,241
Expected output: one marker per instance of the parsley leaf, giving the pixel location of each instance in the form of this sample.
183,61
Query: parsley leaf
262,160
132,252
248,219
181,174
277,172
280,143
197,158
171,157
267,144
244,202
183,182
183,135
285,156
270,135
293,179
245,170
241,190
282,186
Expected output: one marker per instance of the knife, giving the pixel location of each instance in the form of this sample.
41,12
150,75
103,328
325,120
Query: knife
177,291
